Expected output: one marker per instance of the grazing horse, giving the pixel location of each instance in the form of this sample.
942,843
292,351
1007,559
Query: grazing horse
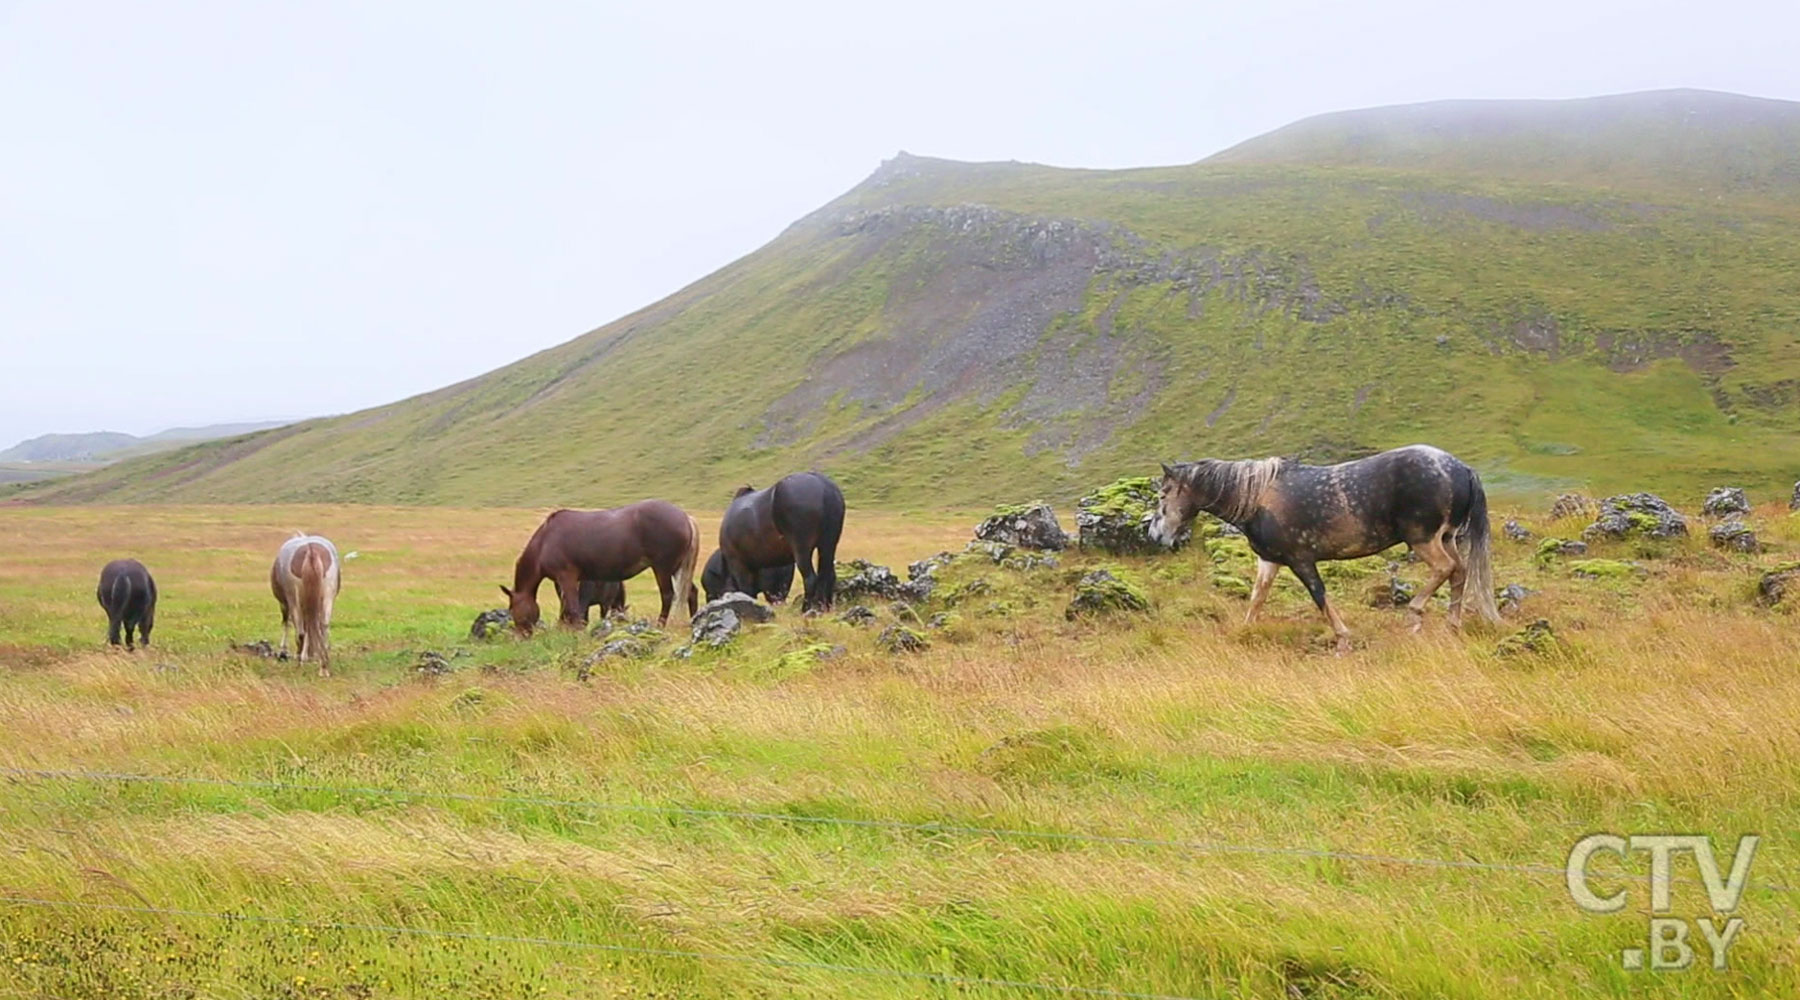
774,582
1296,515
606,546
128,594
785,523
305,579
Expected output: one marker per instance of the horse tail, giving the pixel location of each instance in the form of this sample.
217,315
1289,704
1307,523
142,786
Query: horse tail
684,570
1474,540
831,529
313,569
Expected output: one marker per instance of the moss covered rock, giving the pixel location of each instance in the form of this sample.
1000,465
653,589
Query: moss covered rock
899,638
1116,518
1104,592
1536,639
1025,526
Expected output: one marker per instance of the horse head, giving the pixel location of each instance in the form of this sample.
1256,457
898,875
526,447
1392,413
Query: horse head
523,607
1178,500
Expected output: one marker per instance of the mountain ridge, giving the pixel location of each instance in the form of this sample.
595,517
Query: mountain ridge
958,334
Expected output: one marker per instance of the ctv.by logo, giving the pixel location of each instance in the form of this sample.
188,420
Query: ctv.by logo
1668,948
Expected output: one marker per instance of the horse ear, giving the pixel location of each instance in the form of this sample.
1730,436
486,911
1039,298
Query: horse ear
505,590
1168,473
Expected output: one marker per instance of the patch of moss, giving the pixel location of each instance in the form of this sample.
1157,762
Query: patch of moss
1106,590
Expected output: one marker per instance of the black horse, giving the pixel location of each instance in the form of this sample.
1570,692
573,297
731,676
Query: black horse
608,594
786,523
1297,515
128,594
773,583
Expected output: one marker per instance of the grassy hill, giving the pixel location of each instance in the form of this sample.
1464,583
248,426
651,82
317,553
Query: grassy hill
1592,293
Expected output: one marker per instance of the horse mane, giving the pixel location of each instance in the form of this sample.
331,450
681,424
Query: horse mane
741,490
1236,488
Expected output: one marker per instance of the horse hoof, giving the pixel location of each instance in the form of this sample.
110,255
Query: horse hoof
1343,645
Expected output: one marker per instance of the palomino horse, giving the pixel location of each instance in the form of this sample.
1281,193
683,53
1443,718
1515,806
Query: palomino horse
1297,515
305,581
785,523
774,582
606,546
129,597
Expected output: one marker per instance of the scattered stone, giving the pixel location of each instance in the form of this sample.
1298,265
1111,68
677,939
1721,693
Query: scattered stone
1644,515
858,615
1732,533
1391,592
718,622
1536,639
898,638
1794,501
1030,561
1571,505
432,664
613,624
971,588
1101,592
627,649
918,591
1511,597
927,568
862,578
1725,500
1025,526
491,624
261,647
1116,518
1515,531
1550,548
905,612
997,551
1606,569
1775,583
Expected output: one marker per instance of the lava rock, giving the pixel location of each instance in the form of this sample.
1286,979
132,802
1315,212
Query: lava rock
261,647
1515,531
1391,592
1101,592
491,624
1551,548
925,568
1794,501
1026,526
1116,518
718,622
1571,505
1732,533
861,578
859,615
1724,501
999,552
1643,515
898,638
432,664
1511,597
1776,583
1536,639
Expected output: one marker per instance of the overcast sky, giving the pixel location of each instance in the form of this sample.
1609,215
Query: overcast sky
246,210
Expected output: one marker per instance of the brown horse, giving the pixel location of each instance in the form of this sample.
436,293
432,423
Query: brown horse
782,525
606,545
1298,515
305,580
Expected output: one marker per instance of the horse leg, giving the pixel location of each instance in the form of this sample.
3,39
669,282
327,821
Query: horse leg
1309,575
1265,577
568,589
665,586
809,578
112,629
1459,579
1443,563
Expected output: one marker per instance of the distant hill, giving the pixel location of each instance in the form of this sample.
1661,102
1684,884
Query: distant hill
1593,293
109,446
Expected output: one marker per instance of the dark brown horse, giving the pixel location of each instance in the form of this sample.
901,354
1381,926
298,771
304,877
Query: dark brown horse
774,582
786,523
606,546
128,594
609,595
1298,515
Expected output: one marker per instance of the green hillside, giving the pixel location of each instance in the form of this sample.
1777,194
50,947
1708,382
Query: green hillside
1591,294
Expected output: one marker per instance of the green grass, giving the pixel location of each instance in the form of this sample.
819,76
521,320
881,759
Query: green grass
1663,711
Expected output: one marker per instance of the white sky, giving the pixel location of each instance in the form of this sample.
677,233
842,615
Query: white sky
243,210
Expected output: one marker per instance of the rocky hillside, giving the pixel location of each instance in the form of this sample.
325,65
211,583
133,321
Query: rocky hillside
1579,297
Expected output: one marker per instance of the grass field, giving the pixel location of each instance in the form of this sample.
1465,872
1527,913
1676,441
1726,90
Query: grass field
1144,744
